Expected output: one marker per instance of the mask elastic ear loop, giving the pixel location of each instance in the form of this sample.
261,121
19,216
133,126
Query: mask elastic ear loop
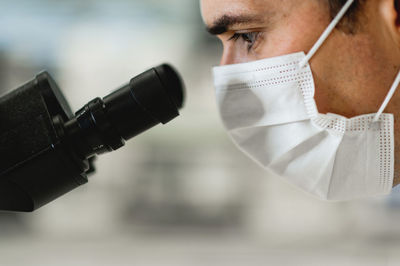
326,33
388,98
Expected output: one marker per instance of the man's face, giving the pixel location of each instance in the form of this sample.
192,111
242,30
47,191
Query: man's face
352,72
251,30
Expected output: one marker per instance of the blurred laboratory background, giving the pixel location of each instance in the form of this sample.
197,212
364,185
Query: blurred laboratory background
179,194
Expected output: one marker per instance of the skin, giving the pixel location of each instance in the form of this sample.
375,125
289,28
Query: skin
353,72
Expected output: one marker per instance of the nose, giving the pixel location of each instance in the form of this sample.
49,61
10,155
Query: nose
234,55
227,57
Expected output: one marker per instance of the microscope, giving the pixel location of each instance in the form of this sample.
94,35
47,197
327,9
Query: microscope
47,151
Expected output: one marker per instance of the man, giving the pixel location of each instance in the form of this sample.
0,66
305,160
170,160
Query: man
352,71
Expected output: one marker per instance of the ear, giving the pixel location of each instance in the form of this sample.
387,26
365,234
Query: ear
390,9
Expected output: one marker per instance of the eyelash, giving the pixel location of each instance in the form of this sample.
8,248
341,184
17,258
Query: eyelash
249,37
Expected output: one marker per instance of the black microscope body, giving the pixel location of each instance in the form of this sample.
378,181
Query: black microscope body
47,151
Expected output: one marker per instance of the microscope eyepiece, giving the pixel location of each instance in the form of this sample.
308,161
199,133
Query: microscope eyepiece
172,83
48,151
150,98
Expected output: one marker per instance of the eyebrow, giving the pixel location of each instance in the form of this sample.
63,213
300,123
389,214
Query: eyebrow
222,24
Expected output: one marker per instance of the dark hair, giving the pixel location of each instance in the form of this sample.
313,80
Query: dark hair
350,23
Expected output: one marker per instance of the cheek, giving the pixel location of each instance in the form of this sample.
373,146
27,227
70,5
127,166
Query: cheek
295,32
349,80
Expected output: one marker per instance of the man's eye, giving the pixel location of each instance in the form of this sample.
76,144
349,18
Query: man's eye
250,38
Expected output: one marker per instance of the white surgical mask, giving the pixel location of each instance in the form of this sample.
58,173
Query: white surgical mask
268,109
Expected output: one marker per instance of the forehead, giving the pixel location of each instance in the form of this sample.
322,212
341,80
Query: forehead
214,9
